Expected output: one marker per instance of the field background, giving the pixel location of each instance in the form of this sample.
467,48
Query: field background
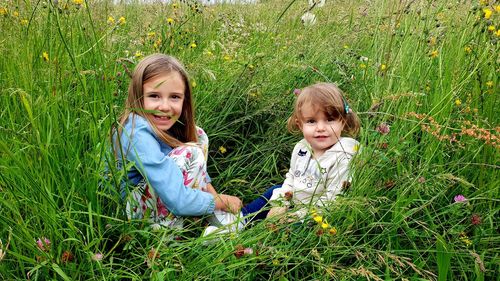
423,76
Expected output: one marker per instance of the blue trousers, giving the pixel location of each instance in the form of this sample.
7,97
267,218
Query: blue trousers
256,208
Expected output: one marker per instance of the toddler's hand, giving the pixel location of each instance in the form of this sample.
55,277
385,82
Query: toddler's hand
276,211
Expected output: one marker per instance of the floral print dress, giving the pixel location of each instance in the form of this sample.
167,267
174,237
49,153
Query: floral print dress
192,160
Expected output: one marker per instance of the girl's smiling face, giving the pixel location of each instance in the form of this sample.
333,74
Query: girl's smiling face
165,95
319,130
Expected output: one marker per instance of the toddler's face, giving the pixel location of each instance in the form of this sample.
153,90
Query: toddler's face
165,95
320,131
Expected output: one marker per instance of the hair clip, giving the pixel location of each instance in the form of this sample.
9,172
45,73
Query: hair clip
346,106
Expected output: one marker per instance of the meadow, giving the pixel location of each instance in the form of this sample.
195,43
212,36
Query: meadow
422,75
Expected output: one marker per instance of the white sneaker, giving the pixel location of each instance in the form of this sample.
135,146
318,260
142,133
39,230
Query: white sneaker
222,219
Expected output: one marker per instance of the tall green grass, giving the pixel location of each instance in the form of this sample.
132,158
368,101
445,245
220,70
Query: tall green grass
427,69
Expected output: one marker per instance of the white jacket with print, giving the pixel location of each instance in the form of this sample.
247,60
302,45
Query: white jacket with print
315,182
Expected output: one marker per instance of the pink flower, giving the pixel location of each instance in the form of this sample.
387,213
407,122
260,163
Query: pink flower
460,198
97,257
296,92
43,244
383,128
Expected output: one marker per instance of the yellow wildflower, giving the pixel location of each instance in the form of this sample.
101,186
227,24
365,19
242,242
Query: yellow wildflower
157,44
356,148
193,84
251,66
175,5
383,67
122,21
15,14
346,46
193,45
3,11
458,102
434,54
484,2
487,13
491,28
324,225
497,33
24,22
222,149
333,231
111,20
227,57
489,84
362,66
497,8
209,53
318,219
78,2
138,54
170,20
151,34
468,49
45,56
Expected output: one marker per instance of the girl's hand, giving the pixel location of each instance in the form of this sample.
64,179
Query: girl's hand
228,203
276,211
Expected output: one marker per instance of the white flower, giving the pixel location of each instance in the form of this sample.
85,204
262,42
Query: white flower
362,58
308,19
319,3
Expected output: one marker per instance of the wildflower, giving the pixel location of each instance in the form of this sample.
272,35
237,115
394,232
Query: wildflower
497,33
332,231
324,225
111,20
296,92
465,239
43,244
175,5
487,13
138,54
209,53
193,45
67,256
434,54
489,84
497,8
222,149
97,257
317,3
24,22
151,34
3,11
383,67
384,128
362,58
308,19
362,66
460,198
468,49
170,20
318,219
15,14
122,21
475,219
458,102
227,57
276,262
242,251
484,2
491,28
356,148
78,2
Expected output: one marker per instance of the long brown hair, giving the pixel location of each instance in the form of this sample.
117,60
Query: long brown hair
328,98
184,130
